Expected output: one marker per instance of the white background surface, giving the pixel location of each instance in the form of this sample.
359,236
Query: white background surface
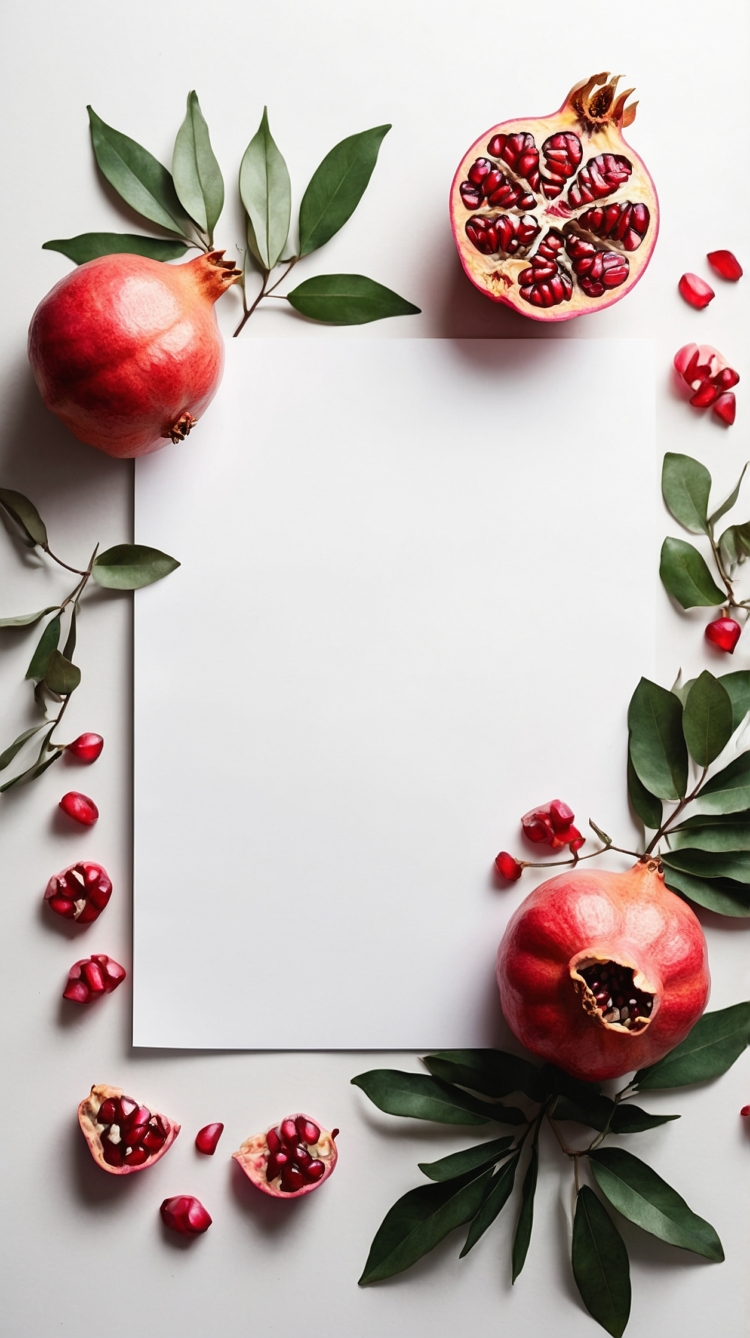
81,1249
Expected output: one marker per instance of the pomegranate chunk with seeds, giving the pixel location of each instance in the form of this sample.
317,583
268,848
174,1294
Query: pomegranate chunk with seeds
696,291
185,1214
80,892
289,1159
92,977
707,375
726,264
123,1136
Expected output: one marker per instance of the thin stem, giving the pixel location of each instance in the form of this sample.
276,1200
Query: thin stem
249,310
666,826
576,858
60,562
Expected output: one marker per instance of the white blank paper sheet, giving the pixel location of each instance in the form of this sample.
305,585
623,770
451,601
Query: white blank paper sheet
415,597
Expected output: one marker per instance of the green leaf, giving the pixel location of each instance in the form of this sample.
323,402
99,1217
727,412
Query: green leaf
629,1119
738,687
266,193
595,1112
70,640
721,895
61,677
420,1097
647,807
715,1042
471,1159
559,1083
138,178
600,1264
641,1195
711,863
729,503
337,187
418,1222
525,1222
500,1192
657,743
26,516
36,770
729,549
707,719
27,619
686,577
491,1072
197,175
602,835
729,790
715,836
15,747
347,299
48,642
686,484
131,566
91,245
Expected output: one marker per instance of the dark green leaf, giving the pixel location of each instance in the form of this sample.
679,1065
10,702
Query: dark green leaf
594,1113
686,577
641,1195
729,790
131,566
559,1083
711,863
70,640
91,245
491,1072
646,806
48,642
420,1097
27,619
707,719
138,178
729,503
347,299
337,187
721,895
26,516
600,1264
418,1222
197,175
629,1119
715,1042
730,549
266,193
715,836
686,484
657,743
526,1215
699,821
471,1159
15,747
500,1192
36,768
61,677
738,687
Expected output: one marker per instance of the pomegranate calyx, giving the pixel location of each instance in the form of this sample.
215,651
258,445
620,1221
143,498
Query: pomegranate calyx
181,428
214,273
592,100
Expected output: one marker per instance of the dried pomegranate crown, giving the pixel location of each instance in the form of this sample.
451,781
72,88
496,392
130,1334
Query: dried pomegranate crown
594,106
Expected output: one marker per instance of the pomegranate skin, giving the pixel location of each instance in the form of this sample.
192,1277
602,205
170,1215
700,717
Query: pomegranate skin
126,351
580,918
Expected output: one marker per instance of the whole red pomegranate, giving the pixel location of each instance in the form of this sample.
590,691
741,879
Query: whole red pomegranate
290,1159
556,216
602,973
127,350
122,1135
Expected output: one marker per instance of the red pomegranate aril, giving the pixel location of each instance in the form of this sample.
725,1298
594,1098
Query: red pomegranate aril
307,1130
725,408
109,1111
185,1214
80,808
208,1137
93,976
561,815
152,1139
706,395
508,867
292,1179
315,1170
745,1111
724,633
111,1153
288,1131
135,1157
136,1119
726,264
86,748
273,1141
696,291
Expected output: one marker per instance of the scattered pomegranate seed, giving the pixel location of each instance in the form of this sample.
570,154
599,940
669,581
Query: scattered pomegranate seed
551,824
745,1111
185,1214
724,633
725,408
79,892
726,264
92,977
207,1138
86,748
508,867
80,808
696,291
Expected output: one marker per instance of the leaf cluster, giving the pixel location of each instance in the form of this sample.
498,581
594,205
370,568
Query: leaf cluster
686,488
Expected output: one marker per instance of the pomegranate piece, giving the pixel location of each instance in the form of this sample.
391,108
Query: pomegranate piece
550,263
726,264
207,1138
79,892
152,387
602,973
508,867
185,1214
696,291
80,808
290,1159
745,1111
552,825
708,376
725,408
724,633
86,748
123,1136
92,977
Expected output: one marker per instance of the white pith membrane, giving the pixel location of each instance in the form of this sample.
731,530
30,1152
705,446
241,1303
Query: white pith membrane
556,216
614,994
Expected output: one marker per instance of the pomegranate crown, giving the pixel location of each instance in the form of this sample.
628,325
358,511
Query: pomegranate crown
595,104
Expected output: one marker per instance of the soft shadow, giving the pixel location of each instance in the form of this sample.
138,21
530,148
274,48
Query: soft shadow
175,1240
91,1184
273,1216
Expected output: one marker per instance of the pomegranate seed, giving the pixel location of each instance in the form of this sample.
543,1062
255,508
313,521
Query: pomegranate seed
140,1116
315,1170
292,1179
111,1154
207,1138
128,1108
80,808
307,1129
745,1111
301,1157
288,1131
136,1157
135,1135
560,814
696,291
508,867
185,1214
152,1140
86,748
725,408
726,264
724,633
108,1112
273,1141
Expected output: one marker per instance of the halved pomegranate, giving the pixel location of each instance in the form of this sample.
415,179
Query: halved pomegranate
290,1159
557,216
122,1135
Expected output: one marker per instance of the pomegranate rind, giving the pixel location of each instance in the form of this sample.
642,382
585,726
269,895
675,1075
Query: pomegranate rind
497,278
87,1112
253,1154
577,917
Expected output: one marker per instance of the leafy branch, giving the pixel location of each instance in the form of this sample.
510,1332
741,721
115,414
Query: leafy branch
686,487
